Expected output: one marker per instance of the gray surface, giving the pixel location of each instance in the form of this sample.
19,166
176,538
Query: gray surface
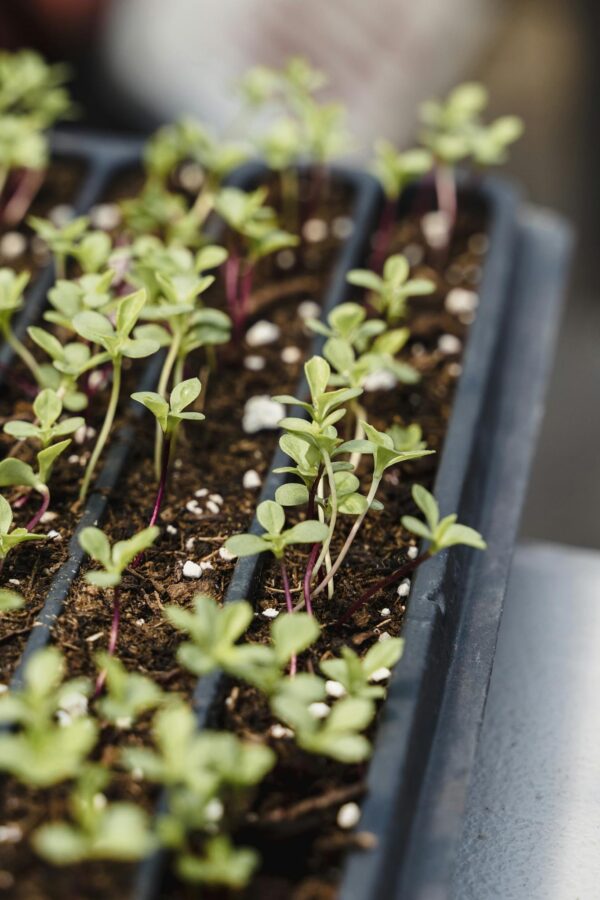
533,818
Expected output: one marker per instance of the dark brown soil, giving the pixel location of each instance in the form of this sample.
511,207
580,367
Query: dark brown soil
302,847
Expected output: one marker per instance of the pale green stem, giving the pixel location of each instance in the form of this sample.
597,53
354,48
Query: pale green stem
106,427
359,433
22,351
353,532
163,383
324,555
203,205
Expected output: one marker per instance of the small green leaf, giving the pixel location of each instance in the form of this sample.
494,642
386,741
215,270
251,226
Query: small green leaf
271,516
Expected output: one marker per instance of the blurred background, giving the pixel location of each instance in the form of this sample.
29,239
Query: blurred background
141,62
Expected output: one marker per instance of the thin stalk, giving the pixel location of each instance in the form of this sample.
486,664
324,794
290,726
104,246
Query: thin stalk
21,350
324,555
288,178
383,235
112,640
3,178
445,188
163,383
348,542
160,494
398,575
290,608
314,552
359,432
231,272
106,427
22,198
43,490
243,297
203,205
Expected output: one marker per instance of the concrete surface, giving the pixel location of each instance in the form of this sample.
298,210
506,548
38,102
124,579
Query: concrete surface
532,830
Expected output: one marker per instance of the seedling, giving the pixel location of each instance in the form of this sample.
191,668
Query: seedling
128,694
169,415
190,141
47,408
276,539
407,438
439,533
16,472
114,560
215,631
12,287
98,830
69,362
355,674
69,298
453,130
116,341
43,752
10,539
61,239
32,98
389,292
199,770
260,236
338,733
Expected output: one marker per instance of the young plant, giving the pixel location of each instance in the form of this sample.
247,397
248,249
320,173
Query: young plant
15,472
62,240
43,751
10,539
276,538
356,674
32,98
259,236
117,343
69,298
440,533
128,694
199,771
69,362
453,130
98,830
47,409
169,415
114,560
214,632
338,733
409,437
10,600
390,291
12,287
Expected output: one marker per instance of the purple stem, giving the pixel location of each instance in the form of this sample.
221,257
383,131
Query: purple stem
290,608
160,494
244,295
231,273
383,236
112,640
398,575
43,507
27,187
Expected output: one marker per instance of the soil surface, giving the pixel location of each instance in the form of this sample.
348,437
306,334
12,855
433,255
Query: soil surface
292,818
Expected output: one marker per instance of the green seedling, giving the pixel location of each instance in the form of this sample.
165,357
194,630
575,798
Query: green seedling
12,538
440,533
338,733
32,98
169,415
199,770
117,343
356,674
15,472
407,438
276,538
43,750
69,362
98,830
214,633
62,240
390,291
453,130
114,560
12,287
259,235
128,695
69,298
47,409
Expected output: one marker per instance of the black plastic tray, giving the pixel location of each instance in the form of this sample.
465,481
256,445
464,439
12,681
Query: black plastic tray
428,734
500,200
